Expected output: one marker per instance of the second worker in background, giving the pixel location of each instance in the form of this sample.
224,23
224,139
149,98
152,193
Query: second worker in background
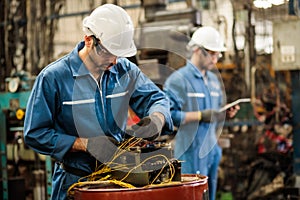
196,96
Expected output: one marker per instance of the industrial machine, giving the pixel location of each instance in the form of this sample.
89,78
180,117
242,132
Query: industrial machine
142,169
23,171
286,57
162,38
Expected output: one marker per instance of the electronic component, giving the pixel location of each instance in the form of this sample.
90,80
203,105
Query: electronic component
152,163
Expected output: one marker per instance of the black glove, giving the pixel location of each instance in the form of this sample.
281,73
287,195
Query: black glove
211,116
148,127
102,148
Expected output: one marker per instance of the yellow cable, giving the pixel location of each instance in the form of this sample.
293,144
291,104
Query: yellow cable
98,177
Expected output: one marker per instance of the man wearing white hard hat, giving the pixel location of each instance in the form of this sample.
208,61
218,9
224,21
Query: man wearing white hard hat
78,107
196,96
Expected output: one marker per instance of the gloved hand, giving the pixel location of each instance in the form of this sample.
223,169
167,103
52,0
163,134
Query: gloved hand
102,148
211,116
148,127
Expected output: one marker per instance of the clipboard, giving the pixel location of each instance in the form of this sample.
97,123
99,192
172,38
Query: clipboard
244,100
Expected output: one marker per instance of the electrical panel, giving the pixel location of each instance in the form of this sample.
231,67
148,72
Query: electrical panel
286,43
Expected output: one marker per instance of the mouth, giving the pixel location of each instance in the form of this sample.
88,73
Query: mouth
106,66
109,65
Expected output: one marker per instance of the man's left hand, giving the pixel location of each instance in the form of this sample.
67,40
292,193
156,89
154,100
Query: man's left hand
149,127
232,111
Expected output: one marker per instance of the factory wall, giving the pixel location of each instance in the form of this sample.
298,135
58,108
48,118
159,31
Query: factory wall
69,30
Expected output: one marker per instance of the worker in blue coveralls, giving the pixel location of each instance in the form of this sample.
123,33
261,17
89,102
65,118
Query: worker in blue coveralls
79,103
196,95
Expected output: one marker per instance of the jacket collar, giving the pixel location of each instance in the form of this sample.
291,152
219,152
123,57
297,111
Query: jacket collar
194,70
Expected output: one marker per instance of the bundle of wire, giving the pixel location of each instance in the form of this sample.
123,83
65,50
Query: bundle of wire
103,176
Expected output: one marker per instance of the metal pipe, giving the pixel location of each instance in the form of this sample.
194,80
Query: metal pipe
51,17
253,89
3,155
39,186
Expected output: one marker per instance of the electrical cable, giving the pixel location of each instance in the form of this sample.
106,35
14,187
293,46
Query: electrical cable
103,172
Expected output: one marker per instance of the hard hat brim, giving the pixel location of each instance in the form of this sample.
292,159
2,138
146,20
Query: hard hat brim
129,52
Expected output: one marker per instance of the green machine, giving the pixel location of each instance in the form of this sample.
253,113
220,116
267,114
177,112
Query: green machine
13,150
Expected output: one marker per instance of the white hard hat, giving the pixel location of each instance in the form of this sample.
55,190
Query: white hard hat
209,38
112,25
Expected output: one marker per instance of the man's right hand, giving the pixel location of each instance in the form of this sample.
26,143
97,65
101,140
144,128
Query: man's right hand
102,148
211,116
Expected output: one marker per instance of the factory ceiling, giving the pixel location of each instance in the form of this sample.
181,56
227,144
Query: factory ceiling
268,9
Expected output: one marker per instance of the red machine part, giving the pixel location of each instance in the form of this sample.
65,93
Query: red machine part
192,187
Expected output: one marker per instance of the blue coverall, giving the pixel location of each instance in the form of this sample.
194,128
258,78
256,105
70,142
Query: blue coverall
67,102
195,143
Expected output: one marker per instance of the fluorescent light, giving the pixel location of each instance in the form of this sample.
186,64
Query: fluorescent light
276,2
262,4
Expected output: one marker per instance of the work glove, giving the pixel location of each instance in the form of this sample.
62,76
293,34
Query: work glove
102,148
211,116
148,128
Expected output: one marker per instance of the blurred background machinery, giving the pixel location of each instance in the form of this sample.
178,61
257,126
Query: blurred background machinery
24,174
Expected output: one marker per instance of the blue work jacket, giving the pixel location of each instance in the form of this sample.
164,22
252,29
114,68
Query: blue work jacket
189,91
66,102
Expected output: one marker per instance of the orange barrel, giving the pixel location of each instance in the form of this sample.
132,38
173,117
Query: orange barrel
192,187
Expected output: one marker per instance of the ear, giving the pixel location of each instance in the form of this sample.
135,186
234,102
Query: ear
88,41
196,49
